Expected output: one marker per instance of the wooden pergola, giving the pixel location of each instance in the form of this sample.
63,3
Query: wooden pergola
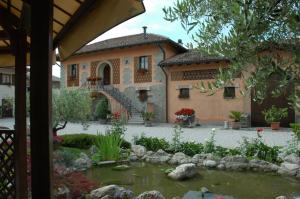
30,30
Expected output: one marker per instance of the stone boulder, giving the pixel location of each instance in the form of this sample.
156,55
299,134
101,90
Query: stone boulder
83,162
210,163
235,163
292,158
159,157
183,172
287,168
261,165
198,159
113,192
281,197
151,195
139,150
180,158
133,157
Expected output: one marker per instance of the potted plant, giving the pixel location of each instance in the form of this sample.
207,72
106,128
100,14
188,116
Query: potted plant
236,116
102,111
147,117
185,116
274,115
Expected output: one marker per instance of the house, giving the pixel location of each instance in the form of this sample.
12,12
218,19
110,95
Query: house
151,72
7,90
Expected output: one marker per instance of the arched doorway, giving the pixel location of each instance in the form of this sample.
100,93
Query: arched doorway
104,72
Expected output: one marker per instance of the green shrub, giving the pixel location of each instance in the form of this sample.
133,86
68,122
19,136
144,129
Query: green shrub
125,144
191,148
109,146
255,148
275,114
222,151
236,116
153,143
296,130
102,111
81,141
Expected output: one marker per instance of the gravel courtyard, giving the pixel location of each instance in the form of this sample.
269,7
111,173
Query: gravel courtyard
225,138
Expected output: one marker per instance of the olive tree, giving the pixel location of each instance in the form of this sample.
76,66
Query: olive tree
240,30
70,106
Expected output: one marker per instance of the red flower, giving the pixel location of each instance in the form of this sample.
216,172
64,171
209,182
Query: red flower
116,115
58,139
185,111
259,130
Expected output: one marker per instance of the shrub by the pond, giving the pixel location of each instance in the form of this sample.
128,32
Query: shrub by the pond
85,141
152,143
109,147
81,141
191,148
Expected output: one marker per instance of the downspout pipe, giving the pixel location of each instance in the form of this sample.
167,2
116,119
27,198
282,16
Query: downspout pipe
166,78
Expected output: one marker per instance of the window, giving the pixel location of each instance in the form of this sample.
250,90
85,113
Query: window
229,92
73,70
184,93
143,63
143,95
6,79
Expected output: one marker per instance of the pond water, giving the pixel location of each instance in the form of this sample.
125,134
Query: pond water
240,185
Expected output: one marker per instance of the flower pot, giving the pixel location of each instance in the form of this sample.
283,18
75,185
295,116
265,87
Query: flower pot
275,125
236,125
148,123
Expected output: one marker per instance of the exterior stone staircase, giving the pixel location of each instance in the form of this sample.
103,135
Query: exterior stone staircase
133,109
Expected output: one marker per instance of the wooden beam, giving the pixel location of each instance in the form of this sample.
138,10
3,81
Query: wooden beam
6,50
84,7
62,10
20,115
8,21
40,98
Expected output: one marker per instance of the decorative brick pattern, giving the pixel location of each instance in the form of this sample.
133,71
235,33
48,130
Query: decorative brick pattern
140,77
72,81
115,70
193,75
94,65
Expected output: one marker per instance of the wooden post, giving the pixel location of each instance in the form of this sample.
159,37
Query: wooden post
20,50
40,98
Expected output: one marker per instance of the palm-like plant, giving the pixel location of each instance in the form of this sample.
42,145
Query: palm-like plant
236,116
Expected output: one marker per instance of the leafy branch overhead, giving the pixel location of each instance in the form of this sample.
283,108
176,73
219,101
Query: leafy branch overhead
249,33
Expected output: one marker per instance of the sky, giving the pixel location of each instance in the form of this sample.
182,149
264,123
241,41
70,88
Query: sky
153,19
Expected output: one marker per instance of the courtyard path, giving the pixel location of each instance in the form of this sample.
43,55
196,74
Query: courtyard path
225,138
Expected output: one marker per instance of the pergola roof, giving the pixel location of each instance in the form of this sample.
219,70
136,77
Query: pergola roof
75,22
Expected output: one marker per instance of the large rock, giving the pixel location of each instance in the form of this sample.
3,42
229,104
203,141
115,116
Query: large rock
210,163
139,150
180,158
292,158
183,171
235,162
287,168
112,191
198,159
159,157
151,195
261,165
281,197
83,162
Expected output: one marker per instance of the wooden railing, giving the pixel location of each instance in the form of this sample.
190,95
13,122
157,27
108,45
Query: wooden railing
7,164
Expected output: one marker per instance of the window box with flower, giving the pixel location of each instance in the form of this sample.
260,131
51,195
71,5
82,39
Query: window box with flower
185,117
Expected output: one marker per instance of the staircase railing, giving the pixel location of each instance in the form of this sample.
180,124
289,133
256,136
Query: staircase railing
114,92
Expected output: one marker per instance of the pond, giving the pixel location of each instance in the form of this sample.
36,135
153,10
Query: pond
240,185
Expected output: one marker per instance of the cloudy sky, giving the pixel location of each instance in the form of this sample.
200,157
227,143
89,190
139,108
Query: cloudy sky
153,19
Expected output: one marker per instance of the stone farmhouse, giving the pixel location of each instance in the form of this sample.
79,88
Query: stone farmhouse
152,72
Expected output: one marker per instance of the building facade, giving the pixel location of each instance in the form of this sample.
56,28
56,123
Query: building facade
150,72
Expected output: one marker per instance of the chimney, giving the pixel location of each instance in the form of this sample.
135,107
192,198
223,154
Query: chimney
145,32
180,42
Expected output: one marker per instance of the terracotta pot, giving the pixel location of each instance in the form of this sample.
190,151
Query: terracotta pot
275,125
236,125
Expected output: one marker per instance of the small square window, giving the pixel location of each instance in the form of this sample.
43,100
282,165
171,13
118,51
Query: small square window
143,95
184,93
229,92
143,63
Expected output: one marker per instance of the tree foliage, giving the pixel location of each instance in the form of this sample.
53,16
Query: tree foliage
238,30
70,106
